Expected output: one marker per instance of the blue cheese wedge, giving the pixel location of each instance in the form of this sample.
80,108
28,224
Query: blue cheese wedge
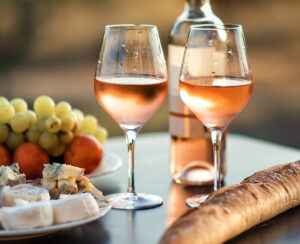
48,184
10,175
84,185
67,179
57,171
68,186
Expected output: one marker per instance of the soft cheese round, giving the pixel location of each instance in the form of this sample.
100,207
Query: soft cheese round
25,192
35,214
74,207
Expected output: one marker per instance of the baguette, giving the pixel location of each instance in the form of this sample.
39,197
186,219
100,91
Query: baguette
233,209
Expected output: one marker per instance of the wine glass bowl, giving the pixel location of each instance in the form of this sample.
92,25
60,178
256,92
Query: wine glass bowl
215,82
131,84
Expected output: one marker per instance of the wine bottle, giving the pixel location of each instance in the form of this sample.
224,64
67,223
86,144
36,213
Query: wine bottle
191,155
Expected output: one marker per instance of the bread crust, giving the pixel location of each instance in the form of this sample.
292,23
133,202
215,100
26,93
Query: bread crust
233,209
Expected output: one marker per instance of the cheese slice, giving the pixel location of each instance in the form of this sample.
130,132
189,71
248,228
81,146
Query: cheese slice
25,192
57,171
74,207
35,214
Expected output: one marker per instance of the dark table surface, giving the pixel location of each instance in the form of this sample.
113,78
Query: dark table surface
244,156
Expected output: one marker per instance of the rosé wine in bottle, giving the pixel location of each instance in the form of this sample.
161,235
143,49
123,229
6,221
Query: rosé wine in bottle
191,155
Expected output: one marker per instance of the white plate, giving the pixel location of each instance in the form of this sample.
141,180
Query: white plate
30,233
110,163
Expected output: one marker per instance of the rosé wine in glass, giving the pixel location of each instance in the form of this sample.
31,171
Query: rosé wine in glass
216,102
130,100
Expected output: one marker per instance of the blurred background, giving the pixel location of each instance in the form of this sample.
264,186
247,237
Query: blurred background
51,47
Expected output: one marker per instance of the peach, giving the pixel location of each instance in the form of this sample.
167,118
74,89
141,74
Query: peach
31,159
84,152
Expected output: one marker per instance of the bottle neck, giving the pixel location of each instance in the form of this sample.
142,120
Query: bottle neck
198,5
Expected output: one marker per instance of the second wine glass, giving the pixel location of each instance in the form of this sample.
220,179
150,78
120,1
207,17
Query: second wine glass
130,85
215,82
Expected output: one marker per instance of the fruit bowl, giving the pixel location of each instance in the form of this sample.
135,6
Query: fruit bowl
49,133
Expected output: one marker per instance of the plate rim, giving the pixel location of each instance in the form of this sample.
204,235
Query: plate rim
107,156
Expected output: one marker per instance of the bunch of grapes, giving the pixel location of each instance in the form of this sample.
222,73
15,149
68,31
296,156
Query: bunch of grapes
51,126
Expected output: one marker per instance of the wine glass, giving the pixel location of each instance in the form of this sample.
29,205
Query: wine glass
130,85
215,82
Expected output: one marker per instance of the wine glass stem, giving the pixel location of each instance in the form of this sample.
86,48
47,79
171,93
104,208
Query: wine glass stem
216,138
130,138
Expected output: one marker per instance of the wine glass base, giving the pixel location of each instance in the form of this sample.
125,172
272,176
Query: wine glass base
196,200
134,201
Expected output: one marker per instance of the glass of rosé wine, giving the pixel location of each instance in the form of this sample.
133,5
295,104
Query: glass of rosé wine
215,83
130,85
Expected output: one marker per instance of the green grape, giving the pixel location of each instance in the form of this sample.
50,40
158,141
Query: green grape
19,105
32,117
41,123
19,123
63,109
48,140
44,105
88,124
14,140
7,111
79,114
3,100
33,134
101,134
66,137
4,132
67,123
53,124
74,116
75,130
57,150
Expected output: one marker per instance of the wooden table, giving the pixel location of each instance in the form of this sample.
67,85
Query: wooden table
244,156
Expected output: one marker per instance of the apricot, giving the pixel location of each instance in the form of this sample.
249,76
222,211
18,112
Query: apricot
4,156
31,159
84,152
